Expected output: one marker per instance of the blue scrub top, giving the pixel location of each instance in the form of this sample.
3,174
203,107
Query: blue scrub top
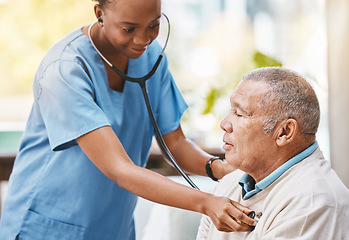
55,191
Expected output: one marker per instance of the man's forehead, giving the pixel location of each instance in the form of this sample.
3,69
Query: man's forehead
248,94
250,88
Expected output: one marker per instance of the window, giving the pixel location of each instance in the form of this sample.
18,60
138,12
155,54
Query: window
212,45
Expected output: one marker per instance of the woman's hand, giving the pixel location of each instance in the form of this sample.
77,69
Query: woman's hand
228,215
220,168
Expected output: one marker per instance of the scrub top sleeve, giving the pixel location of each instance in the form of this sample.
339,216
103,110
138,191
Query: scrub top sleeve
67,105
172,104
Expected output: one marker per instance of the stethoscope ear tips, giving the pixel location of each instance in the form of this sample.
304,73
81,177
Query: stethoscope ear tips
100,19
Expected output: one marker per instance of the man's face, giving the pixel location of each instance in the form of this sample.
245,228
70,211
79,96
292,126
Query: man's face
245,143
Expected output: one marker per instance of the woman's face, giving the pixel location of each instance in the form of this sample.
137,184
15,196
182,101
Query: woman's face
129,26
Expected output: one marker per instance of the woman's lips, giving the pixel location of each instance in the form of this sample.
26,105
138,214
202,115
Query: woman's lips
138,50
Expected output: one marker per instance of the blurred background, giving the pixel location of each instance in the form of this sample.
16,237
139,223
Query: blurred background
212,45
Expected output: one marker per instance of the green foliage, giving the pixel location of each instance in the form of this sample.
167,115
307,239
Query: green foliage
258,60
262,60
210,100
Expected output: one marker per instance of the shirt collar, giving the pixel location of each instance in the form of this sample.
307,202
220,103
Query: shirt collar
249,186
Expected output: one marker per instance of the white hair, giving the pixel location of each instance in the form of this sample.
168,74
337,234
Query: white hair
290,96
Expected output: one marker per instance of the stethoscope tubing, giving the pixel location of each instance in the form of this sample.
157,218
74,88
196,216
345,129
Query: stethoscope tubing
141,81
159,138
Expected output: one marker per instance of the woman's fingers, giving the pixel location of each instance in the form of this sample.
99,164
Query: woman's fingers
242,214
232,225
229,216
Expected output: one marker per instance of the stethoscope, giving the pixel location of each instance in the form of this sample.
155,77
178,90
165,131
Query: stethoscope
141,82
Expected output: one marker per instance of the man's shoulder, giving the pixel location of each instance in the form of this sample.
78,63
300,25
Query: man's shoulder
232,177
311,181
229,183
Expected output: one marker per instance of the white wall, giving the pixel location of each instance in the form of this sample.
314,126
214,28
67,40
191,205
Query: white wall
338,82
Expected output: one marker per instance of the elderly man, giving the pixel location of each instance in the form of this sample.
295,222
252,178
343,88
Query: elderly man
281,172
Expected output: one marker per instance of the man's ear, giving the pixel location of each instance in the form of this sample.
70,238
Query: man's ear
286,131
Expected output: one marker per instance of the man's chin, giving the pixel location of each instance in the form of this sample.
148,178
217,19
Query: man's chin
232,160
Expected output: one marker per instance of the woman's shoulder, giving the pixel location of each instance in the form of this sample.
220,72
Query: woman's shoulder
75,43
74,47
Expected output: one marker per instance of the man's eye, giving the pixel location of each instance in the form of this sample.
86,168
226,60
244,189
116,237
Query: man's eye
128,30
237,114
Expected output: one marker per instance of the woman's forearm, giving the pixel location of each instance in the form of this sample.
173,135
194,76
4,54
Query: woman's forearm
157,188
104,149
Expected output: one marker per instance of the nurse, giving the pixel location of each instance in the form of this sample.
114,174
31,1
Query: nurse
81,161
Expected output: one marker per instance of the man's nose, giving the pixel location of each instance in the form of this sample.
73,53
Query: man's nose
226,125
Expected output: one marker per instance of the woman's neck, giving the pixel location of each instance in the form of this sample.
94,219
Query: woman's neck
120,61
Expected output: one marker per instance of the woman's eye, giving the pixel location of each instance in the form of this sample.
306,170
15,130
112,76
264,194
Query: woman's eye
128,30
154,26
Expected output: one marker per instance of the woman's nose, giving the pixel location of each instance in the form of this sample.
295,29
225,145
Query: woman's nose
226,125
142,38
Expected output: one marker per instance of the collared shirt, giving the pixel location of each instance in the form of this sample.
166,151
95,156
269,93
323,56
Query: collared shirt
249,186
